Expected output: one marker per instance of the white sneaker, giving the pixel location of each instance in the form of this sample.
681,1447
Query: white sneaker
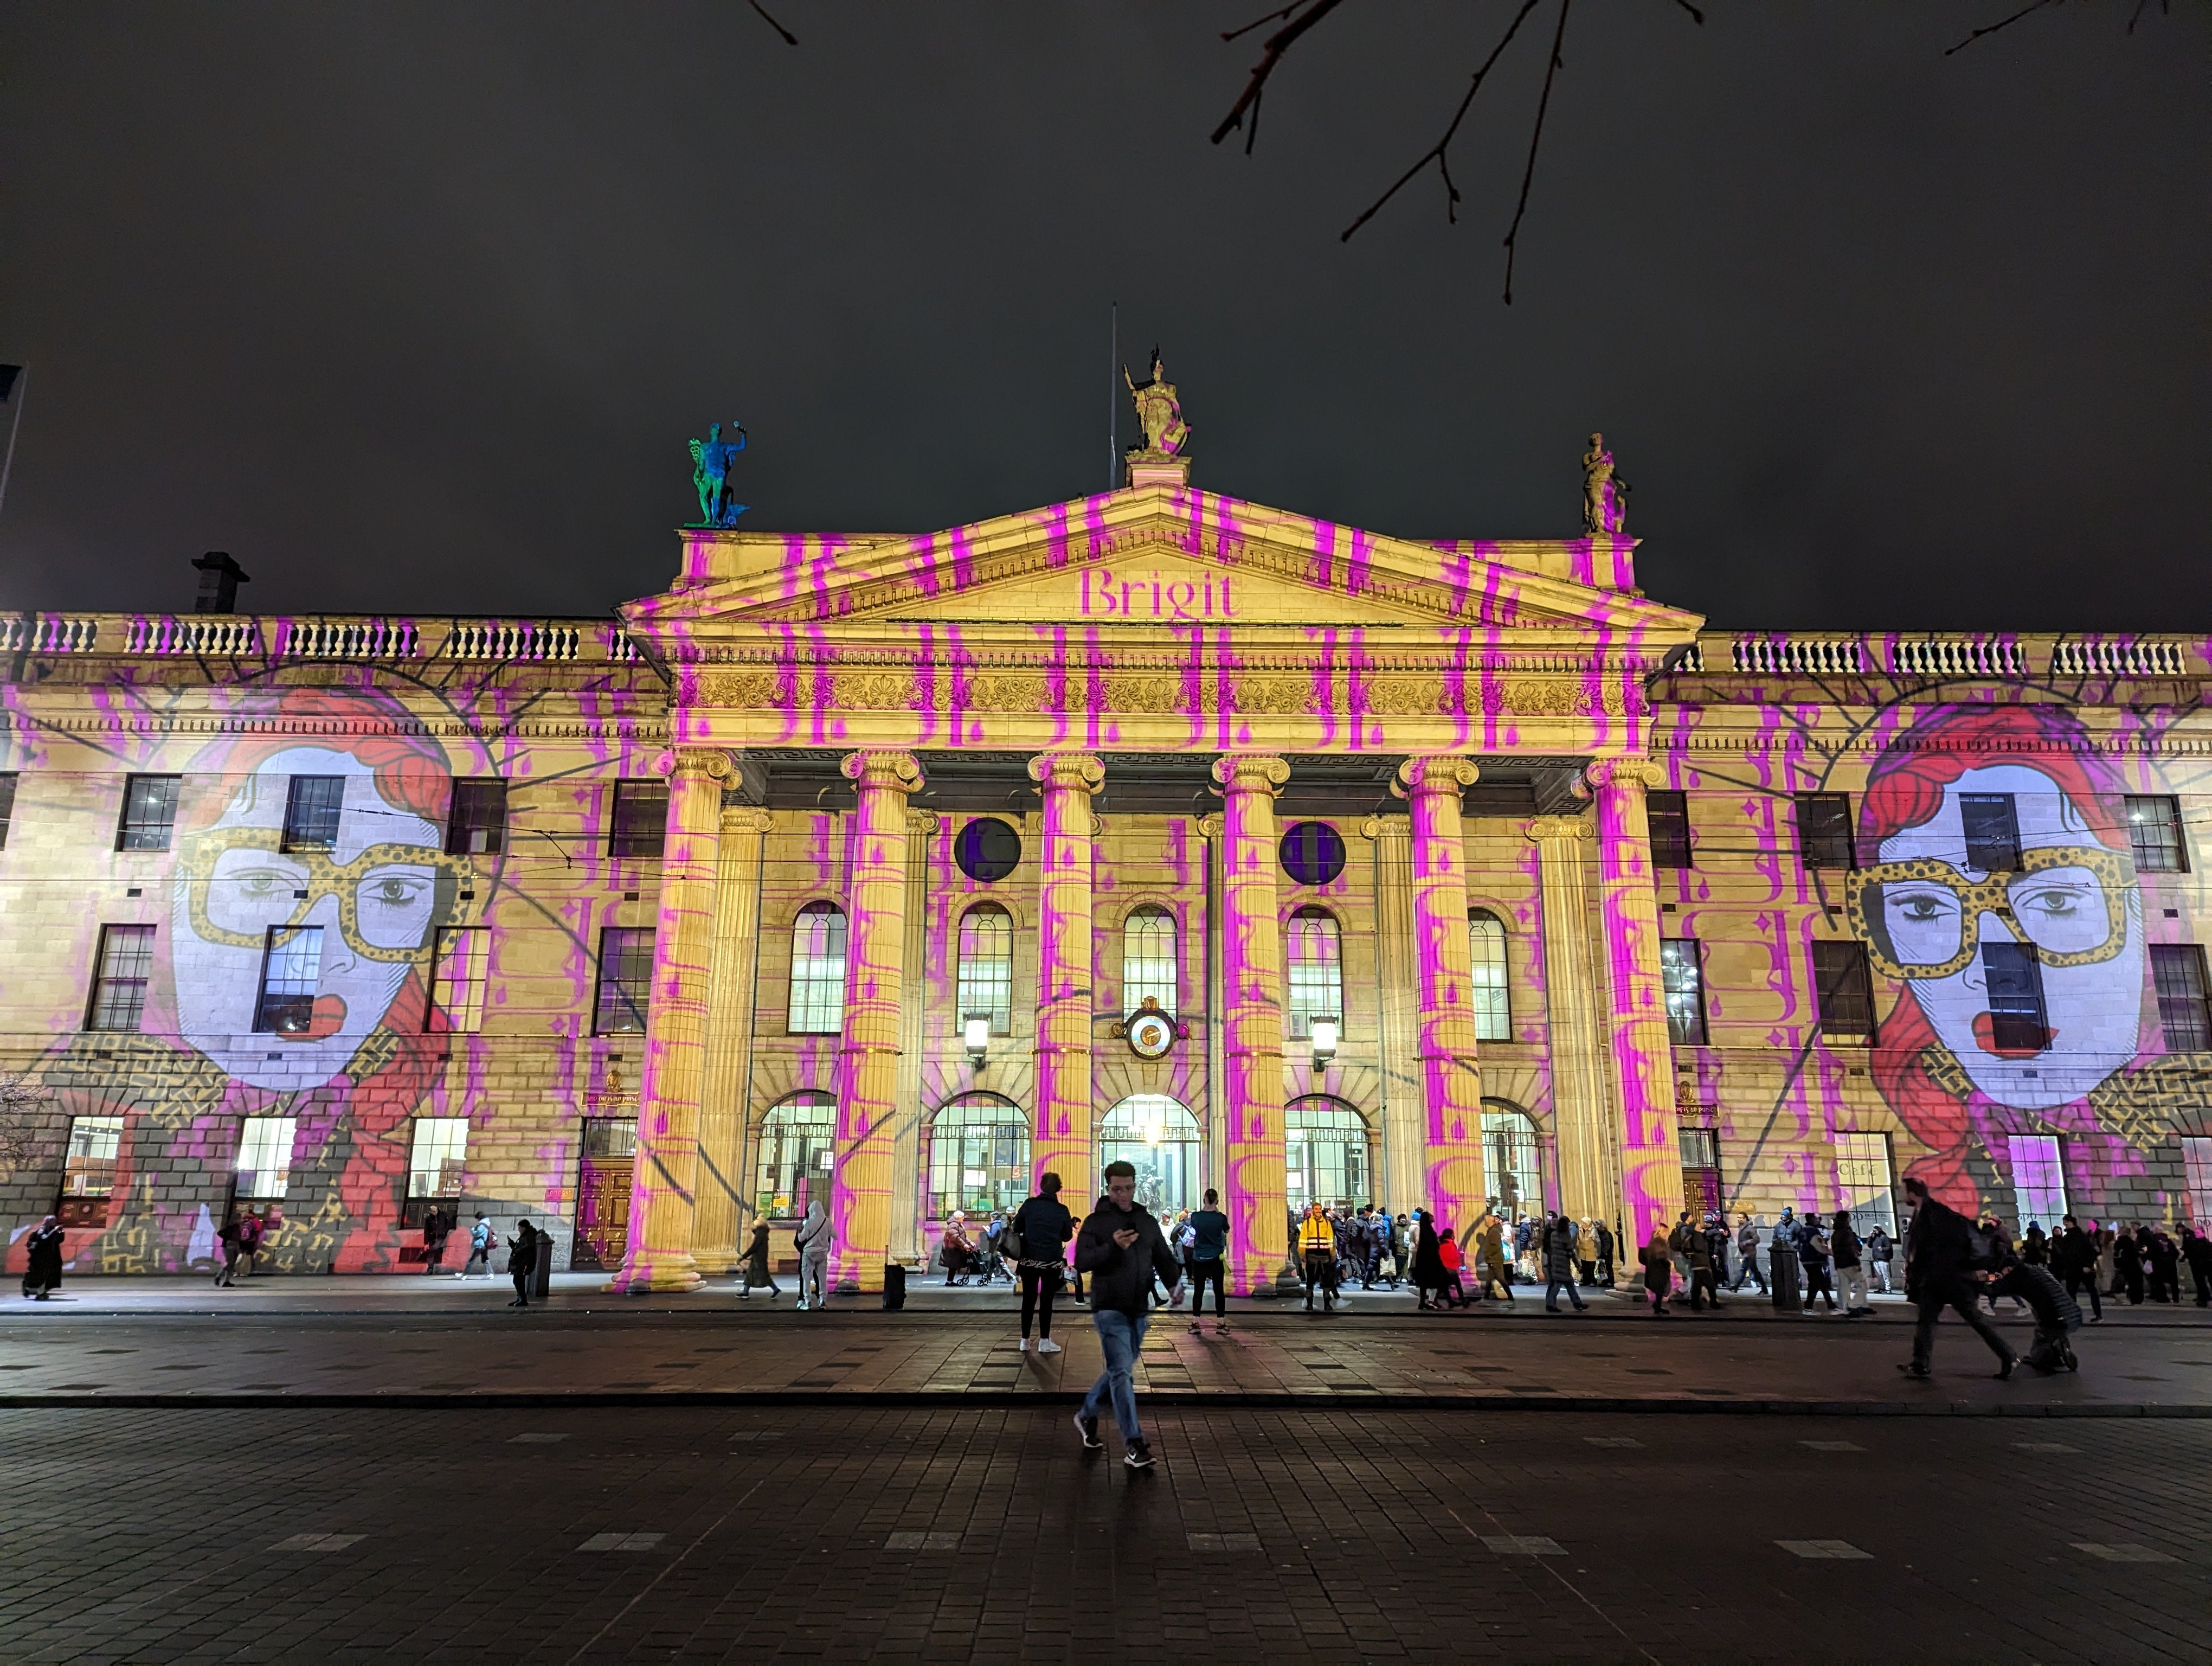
1046,1345
1023,1345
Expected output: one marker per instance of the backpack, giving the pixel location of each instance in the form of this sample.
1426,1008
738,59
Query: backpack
1010,1239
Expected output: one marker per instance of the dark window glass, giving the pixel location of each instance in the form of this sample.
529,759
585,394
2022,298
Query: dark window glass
2015,992
2155,830
291,972
1824,830
1701,1148
477,825
987,850
625,980
312,812
1313,853
2178,969
118,990
1670,816
1685,980
7,807
641,823
1845,990
1992,831
150,813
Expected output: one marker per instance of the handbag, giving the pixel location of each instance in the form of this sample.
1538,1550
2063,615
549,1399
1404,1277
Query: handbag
1388,1267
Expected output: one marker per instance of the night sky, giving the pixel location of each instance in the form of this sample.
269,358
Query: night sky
413,307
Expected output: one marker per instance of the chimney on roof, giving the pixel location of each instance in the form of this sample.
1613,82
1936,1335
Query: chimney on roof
220,577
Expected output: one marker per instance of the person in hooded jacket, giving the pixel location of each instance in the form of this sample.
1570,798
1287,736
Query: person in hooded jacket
1559,1263
755,1274
1121,1247
42,1269
1940,1249
812,1243
2074,1263
1845,1246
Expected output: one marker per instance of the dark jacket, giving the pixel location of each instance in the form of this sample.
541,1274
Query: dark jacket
1044,1225
522,1255
44,1263
1121,1279
1937,1246
1844,1244
2072,1251
1212,1239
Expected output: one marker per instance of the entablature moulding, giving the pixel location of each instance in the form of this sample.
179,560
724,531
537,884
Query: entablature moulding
65,724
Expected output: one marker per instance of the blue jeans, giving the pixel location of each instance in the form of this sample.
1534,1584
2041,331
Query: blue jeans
1119,1334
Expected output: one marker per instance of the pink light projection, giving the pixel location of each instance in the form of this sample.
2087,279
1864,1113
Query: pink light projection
1252,1023
1451,1076
1062,1143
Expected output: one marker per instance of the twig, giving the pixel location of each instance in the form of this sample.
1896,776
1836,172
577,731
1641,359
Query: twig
789,38
2033,5
1271,54
1232,34
1559,36
1695,14
1436,153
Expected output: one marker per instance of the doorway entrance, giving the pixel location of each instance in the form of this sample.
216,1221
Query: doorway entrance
610,1160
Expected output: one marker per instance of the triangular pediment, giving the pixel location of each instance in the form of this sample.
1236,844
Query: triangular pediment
1159,557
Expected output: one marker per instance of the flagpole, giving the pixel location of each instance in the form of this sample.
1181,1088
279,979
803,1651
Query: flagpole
22,384
1113,400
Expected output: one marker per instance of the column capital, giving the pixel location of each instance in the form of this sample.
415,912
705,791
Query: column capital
745,819
1559,827
923,821
1209,827
1082,772
1434,774
1386,827
900,772
1250,772
1625,772
700,762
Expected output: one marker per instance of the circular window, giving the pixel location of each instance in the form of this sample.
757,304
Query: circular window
987,850
1313,853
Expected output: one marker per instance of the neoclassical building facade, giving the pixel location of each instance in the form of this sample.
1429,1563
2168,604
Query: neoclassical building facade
1275,855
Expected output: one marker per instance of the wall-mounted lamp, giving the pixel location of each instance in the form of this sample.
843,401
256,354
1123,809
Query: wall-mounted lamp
976,1032
1324,1041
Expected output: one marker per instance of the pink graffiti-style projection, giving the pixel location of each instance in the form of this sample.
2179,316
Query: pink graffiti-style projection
1062,1144
1252,1025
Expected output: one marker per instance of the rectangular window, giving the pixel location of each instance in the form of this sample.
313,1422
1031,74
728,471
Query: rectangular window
1845,990
1684,977
1864,1179
1148,960
150,813
477,823
312,812
456,984
1992,831
434,1167
625,980
291,971
118,990
2197,1173
7,807
1668,814
1823,831
1701,1148
2178,971
2015,981
94,1143
641,819
265,1158
2155,830
2038,1183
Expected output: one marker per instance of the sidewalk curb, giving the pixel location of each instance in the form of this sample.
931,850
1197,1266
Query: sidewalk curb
1163,1399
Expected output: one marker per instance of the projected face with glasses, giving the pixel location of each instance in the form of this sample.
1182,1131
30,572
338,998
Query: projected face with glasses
1984,950
300,952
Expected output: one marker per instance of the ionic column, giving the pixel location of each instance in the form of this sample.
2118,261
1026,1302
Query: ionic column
1587,1190
1451,1078
721,1210
1642,1055
906,1136
1062,1141
868,1052
666,1175
1252,1020
1398,980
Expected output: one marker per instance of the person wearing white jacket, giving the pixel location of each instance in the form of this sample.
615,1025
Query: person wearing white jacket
812,1243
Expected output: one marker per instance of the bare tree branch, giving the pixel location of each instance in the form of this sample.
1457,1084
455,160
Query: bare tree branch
1558,37
2004,23
1436,153
1271,54
789,38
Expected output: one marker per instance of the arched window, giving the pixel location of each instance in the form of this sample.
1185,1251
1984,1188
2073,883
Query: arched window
986,966
1324,1152
818,971
1512,1159
978,1157
798,1140
1159,1136
1315,967
1148,959
1492,998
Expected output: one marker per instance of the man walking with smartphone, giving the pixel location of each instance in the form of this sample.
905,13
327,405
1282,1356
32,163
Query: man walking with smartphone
1120,1246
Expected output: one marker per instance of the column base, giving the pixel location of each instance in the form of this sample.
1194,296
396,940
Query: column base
716,1264
676,1275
